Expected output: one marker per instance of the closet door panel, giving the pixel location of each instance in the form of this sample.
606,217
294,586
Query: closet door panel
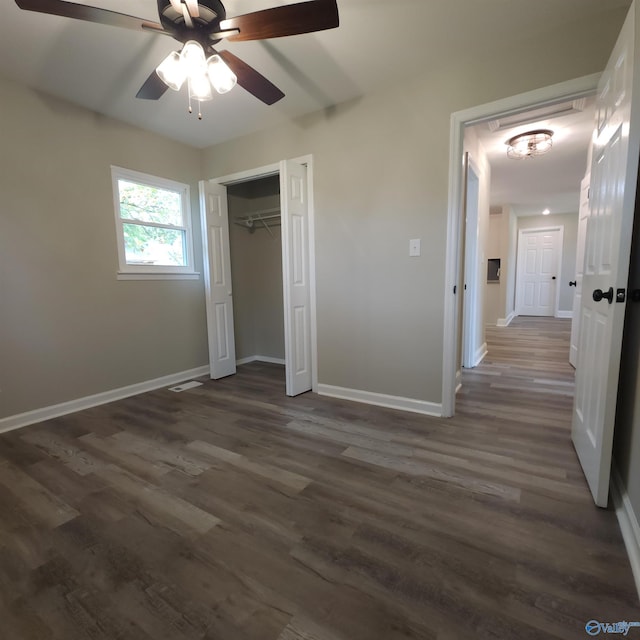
217,276
295,271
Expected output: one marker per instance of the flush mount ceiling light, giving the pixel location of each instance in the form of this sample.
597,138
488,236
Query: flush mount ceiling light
529,144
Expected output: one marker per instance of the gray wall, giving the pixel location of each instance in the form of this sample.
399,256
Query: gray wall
381,178
68,327
256,268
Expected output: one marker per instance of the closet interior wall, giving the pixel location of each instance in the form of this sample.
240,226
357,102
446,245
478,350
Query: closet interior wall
256,270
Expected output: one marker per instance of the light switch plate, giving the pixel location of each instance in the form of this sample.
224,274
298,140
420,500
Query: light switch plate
414,247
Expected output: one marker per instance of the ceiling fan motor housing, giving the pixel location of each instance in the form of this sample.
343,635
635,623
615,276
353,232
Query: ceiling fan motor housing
211,12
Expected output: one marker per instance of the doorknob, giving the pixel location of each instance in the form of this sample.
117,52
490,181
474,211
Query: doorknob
598,295
573,283
553,277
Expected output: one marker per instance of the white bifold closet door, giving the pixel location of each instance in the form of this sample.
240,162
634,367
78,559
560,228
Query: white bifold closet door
295,273
217,278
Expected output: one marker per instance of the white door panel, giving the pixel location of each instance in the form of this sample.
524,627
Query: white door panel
295,273
580,257
538,267
606,265
215,234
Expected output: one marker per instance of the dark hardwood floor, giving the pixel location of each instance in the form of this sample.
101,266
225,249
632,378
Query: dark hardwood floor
231,512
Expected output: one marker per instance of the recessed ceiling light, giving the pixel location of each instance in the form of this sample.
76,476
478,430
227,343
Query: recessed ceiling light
546,212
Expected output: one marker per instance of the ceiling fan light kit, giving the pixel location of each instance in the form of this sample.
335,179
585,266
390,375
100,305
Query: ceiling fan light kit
200,26
202,74
529,144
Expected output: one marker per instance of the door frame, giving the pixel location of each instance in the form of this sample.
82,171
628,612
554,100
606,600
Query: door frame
521,234
471,349
569,90
271,170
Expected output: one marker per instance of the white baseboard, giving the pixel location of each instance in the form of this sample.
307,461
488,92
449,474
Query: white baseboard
505,322
382,400
268,359
628,521
57,410
564,314
480,354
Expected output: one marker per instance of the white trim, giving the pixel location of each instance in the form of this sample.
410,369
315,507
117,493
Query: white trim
458,380
471,282
628,521
248,175
480,354
505,322
57,410
571,89
160,272
268,359
564,314
159,276
381,400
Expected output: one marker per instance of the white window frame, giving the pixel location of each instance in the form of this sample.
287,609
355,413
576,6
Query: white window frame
153,272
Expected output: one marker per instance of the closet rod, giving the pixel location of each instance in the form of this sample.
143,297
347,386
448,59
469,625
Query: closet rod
262,213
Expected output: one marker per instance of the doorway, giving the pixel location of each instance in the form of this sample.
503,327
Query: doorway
547,97
256,270
538,268
277,199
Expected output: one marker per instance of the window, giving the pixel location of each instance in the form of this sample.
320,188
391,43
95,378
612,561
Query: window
153,224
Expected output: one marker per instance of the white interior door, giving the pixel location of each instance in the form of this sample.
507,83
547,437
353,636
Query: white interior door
538,267
583,215
472,270
217,277
295,272
608,242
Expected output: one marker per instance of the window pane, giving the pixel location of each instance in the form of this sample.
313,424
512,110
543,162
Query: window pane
149,204
154,246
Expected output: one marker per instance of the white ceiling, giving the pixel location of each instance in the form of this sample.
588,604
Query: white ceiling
378,43
550,181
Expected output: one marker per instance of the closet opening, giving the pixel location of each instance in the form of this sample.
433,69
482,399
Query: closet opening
256,270
259,271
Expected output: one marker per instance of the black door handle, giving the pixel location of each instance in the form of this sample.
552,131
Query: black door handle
573,283
599,294
553,277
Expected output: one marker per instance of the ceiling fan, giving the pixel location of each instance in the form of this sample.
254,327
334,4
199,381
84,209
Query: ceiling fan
199,25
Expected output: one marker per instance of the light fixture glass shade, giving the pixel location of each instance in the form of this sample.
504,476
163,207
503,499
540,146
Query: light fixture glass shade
222,78
200,88
193,59
171,71
530,144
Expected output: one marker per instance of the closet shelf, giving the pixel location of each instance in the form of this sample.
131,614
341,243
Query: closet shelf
259,219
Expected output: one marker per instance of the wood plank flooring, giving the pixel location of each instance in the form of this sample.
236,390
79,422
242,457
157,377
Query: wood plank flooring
231,512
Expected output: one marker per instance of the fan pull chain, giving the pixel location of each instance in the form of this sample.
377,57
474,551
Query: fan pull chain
199,110
190,109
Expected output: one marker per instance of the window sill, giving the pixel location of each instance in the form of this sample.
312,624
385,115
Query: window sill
125,275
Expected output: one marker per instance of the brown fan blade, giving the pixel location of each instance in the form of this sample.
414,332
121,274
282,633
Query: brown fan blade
249,79
288,20
90,14
153,88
